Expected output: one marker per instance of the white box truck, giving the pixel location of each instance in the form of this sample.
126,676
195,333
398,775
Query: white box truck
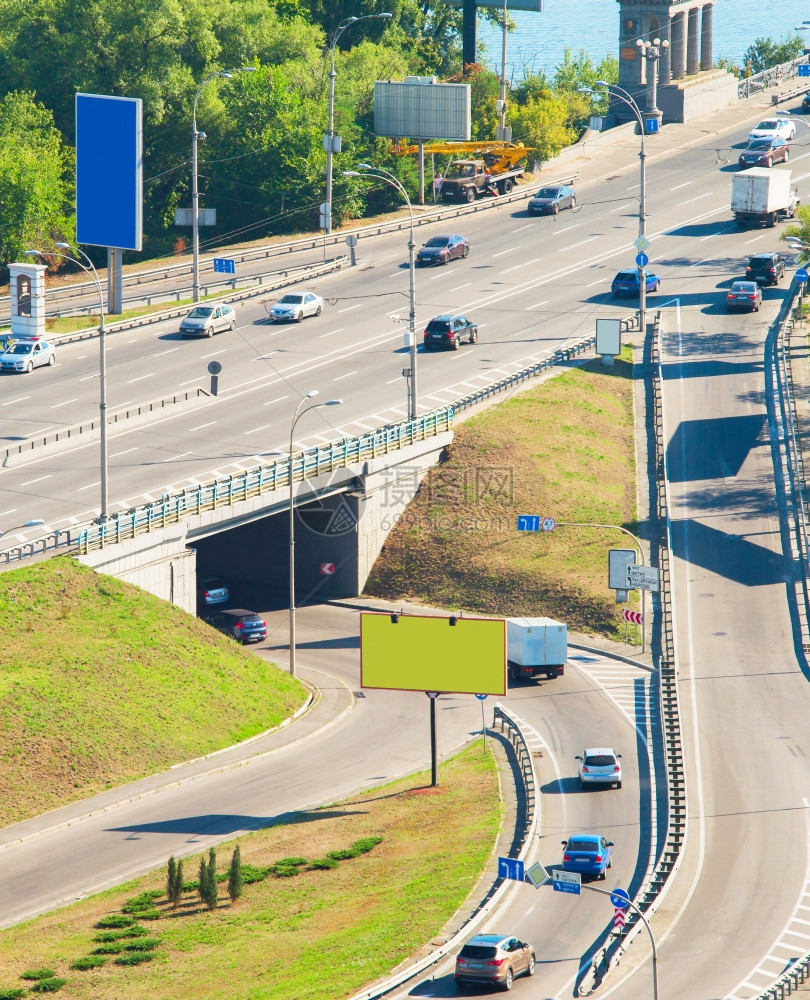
762,195
535,647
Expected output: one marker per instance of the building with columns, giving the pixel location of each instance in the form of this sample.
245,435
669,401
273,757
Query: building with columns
686,84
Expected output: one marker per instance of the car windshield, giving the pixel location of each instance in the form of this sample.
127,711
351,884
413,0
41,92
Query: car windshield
582,845
744,286
438,241
546,193
460,170
438,326
760,144
21,349
770,125
600,760
200,312
291,300
477,951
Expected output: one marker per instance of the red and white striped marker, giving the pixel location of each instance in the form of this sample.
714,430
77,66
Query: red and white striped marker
631,616
618,919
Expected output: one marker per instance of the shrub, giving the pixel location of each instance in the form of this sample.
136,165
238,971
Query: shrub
12,994
290,862
171,879
38,974
176,888
343,854
48,985
285,871
323,863
153,914
142,902
115,920
88,962
142,944
134,931
191,886
252,873
134,958
366,844
109,948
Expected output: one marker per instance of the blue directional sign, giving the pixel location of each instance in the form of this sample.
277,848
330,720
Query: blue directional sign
804,69
652,125
567,882
511,868
642,260
801,275
529,522
620,899
481,697
224,265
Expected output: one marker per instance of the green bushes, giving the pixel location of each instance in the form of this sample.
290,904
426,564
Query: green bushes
134,958
48,985
88,962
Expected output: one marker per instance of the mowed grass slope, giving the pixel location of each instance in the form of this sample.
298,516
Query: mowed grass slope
102,683
564,449
321,935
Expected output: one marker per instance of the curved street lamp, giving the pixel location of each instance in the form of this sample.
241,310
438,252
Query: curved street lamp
631,103
296,417
367,170
331,142
90,268
196,135
28,524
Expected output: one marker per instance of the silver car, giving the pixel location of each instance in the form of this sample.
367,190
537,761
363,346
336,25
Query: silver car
599,766
205,321
26,354
494,960
295,306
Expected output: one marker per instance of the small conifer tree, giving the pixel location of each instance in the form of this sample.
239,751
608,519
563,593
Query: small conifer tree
235,884
170,878
211,890
177,887
202,879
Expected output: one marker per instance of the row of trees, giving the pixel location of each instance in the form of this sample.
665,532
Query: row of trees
262,166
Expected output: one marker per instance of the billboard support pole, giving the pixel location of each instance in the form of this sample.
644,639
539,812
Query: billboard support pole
115,282
433,695
468,35
421,143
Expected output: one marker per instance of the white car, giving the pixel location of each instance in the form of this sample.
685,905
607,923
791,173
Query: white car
599,766
295,306
27,353
770,127
205,321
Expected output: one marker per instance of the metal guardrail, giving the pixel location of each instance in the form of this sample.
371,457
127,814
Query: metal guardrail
512,731
770,77
219,493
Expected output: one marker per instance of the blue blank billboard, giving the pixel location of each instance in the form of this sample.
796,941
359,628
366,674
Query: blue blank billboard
109,171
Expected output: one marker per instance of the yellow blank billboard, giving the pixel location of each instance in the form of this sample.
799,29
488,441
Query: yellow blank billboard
422,653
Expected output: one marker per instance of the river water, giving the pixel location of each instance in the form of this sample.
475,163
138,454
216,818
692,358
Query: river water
593,25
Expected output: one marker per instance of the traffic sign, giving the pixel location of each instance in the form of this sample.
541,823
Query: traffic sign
632,616
642,243
618,920
481,697
803,70
642,260
620,898
327,569
537,875
549,524
511,868
801,274
642,578
567,882
528,522
224,265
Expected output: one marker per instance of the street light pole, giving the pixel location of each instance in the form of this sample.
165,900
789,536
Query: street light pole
296,416
90,269
652,52
393,181
196,135
502,103
331,142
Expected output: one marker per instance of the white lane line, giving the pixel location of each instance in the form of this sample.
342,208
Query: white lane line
633,187
337,378
458,288
213,354
253,430
519,228
756,239
39,480
679,186
264,357
524,264
390,382
118,454
700,197
89,486
704,238
433,277
169,351
536,304
191,381
270,402
627,205
88,377
199,427
597,282
19,399
339,330
581,243
349,308
5,513
173,458
559,232
140,378
64,403
40,430
500,253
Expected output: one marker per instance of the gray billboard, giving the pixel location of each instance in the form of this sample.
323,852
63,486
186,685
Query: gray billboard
420,108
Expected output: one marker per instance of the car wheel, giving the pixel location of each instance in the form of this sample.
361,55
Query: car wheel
232,327
508,184
787,155
299,317
209,331
318,311
573,203
469,194
582,786
456,343
51,360
510,978
769,161
474,336
29,367
466,253
532,963
603,875
618,784
555,209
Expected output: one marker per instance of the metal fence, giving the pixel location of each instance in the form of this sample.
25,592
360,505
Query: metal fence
768,78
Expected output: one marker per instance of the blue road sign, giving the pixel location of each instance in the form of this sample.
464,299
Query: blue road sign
804,69
801,274
481,697
567,882
529,522
642,260
620,899
511,868
652,125
224,265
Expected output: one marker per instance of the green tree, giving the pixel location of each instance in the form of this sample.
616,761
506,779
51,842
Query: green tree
176,884
765,52
211,897
202,879
235,883
171,876
541,123
800,231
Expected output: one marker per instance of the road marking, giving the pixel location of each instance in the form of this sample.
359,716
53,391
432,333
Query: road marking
253,430
519,228
5,513
704,238
337,378
339,330
597,282
19,399
213,354
558,232
264,357
270,402
756,239
679,186
581,243
31,481
627,205
88,377
457,288
700,197
502,252
40,430
349,308
118,454
199,427
169,351
64,403
536,304
524,264
433,277
389,382
173,458
191,381
140,378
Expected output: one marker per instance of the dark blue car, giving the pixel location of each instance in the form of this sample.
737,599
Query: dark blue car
626,282
587,853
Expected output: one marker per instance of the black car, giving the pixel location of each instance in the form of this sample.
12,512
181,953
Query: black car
450,331
240,624
441,249
806,103
765,268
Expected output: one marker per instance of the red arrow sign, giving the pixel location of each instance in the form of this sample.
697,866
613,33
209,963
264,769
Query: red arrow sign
618,919
631,616
327,569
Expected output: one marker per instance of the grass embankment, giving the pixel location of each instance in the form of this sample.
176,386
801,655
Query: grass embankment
102,683
320,935
564,449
